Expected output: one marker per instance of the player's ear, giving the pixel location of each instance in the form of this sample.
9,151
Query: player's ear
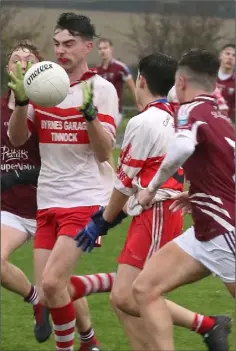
180,82
142,81
89,46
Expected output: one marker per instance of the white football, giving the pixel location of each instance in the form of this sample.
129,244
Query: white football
46,84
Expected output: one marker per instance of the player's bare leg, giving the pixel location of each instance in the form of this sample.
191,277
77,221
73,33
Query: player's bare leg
135,330
122,300
124,304
81,307
13,279
55,281
178,268
84,325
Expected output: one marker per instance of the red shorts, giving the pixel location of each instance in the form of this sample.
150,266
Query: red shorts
54,222
148,232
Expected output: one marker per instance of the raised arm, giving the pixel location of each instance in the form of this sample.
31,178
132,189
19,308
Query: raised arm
18,129
100,120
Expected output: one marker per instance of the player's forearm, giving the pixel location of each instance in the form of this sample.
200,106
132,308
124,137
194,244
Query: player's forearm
17,128
100,140
116,204
180,149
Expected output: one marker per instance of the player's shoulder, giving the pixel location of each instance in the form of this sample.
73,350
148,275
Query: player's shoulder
119,64
145,120
196,109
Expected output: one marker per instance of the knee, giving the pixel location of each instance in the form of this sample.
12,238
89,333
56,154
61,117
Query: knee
4,259
143,291
120,299
51,285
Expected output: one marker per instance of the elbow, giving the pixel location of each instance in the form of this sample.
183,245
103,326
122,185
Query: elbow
104,157
16,141
105,153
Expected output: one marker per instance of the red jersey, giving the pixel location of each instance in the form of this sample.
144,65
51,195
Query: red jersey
116,73
21,199
227,89
211,168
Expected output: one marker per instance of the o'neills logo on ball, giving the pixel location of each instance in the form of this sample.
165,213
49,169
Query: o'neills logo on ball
38,71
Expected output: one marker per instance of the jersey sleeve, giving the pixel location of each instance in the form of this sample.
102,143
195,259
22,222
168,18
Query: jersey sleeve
134,153
125,72
188,122
108,109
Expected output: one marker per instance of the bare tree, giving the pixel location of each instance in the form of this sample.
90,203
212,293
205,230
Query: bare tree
174,34
12,34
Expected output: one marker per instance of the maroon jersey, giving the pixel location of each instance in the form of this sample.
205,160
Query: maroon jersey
21,199
116,73
227,89
211,168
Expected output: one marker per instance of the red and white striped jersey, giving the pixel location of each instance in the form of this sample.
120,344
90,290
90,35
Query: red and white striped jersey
70,175
145,144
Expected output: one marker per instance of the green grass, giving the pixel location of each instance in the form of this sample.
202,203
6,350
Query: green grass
208,297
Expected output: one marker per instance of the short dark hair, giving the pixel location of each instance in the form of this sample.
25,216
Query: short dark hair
76,25
226,46
201,61
104,40
159,71
25,44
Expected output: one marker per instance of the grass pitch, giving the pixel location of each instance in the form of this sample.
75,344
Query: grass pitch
208,297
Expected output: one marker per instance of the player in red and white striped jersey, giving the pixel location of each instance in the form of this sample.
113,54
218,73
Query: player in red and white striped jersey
75,177
204,144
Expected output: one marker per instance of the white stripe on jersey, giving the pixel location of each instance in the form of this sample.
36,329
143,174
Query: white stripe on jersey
214,207
194,129
218,219
58,117
213,198
186,109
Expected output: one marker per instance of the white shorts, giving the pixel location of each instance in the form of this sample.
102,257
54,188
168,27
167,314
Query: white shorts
25,225
218,254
